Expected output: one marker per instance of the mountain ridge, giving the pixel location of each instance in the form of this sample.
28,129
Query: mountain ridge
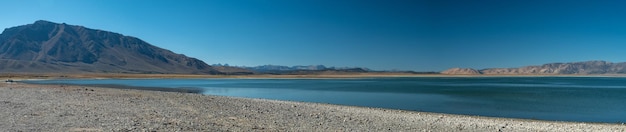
49,47
576,68
296,67
300,69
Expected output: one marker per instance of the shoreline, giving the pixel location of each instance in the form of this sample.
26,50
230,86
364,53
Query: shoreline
33,107
26,76
200,91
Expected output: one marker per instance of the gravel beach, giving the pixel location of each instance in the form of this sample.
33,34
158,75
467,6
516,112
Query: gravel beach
27,107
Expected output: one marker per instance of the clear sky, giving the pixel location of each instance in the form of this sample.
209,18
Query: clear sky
420,35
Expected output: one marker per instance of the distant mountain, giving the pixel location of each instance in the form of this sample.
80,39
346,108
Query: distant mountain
582,68
48,47
461,71
285,68
277,69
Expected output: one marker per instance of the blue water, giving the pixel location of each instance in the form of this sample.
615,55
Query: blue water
587,99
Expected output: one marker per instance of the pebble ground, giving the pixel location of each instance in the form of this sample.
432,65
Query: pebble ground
26,107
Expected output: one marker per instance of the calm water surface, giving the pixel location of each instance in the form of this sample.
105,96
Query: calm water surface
589,99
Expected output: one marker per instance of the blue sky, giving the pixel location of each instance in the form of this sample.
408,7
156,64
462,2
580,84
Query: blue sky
427,35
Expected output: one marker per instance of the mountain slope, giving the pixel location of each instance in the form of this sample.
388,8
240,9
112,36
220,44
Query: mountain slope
52,48
586,67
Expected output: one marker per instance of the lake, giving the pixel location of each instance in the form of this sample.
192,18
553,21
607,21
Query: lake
587,99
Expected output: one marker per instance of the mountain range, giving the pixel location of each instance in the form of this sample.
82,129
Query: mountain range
580,68
299,67
278,69
48,47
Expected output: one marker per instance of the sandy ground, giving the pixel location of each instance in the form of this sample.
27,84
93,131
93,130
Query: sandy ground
26,107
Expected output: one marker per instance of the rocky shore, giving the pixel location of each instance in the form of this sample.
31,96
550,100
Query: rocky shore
26,107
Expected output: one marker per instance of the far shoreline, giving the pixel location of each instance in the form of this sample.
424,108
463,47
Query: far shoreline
32,76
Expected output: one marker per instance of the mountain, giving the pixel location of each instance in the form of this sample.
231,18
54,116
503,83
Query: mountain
582,68
48,47
461,71
285,68
311,69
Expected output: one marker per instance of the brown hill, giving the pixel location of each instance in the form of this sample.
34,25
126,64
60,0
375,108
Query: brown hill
61,48
581,68
461,71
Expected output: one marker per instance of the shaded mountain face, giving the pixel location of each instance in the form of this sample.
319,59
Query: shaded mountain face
60,48
587,67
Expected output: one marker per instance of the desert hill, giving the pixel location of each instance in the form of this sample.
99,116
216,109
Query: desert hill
48,47
581,68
